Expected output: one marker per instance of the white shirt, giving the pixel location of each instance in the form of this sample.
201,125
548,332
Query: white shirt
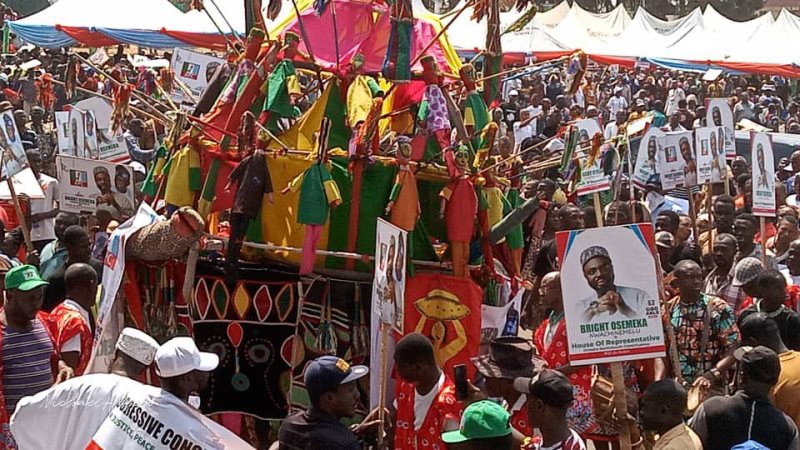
45,229
674,96
74,343
523,132
422,403
611,130
616,104
790,279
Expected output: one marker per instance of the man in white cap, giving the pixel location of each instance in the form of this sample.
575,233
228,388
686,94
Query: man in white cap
83,403
183,368
135,351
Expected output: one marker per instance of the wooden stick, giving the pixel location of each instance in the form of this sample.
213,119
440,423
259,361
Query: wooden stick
185,89
519,69
165,121
692,210
621,403
347,255
225,19
763,223
26,233
295,347
382,379
598,209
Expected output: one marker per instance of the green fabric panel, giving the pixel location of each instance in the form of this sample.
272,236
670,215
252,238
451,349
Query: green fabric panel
150,186
376,187
335,111
429,202
254,231
491,88
404,43
210,187
277,98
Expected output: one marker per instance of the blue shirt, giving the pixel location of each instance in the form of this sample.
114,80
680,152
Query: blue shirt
26,362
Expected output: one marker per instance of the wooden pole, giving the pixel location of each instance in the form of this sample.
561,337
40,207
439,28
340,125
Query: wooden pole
617,378
164,120
382,379
692,211
763,223
296,340
26,233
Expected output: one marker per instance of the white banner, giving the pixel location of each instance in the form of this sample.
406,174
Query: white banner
194,70
151,418
498,321
763,174
62,131
389,284
109,320
592,177
14,158
99,143
88,183
90,135
676,164
651,145
610,276
720,115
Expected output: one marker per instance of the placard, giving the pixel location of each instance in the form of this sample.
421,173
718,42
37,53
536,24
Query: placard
88,183
14,158
651,145
90,135
194,70
676,164
76,134
592,177
610,273
720,115
388,286
62,131
763,174
703,138
719,167
109,146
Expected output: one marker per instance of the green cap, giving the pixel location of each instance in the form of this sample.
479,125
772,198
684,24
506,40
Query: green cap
481,420
24,278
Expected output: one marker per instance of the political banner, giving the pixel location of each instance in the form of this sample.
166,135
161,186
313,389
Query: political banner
110,146
651,145
705,158
388,286
194,70
110,312
77,144
676,164
90,135
62,131
89,183
152,418
24,182
499,321
14,158
763,174
611,275
593,179
720,115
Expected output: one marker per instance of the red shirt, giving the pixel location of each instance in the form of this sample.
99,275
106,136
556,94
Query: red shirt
67,322
429,436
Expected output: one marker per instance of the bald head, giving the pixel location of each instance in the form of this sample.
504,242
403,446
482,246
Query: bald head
80,283
686,265
663,405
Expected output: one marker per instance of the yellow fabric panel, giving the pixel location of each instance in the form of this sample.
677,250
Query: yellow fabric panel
279,219
301,135
359,100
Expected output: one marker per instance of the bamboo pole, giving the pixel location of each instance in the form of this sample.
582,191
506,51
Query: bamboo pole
165,120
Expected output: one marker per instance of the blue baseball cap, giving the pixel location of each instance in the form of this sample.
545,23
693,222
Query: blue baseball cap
327,373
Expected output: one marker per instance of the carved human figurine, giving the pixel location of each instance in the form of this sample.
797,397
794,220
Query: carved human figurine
459,208
476,114
433,117
403,208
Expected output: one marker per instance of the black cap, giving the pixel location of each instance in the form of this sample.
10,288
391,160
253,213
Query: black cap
326,373
550,386
759,363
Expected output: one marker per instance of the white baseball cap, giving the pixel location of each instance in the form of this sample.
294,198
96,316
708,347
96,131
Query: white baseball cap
180,355
138,345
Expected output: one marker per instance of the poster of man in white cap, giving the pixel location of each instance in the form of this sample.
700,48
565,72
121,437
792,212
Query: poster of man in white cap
14,159
611,274
76,133
388,286
763,176
677,164
90,135
703,138
720,115
592,177
650,146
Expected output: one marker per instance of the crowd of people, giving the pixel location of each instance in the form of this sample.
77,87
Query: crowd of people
731,373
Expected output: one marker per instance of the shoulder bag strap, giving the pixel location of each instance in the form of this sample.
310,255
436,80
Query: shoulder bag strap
704,336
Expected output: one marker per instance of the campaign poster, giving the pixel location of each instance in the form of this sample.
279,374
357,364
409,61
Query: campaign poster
388,286
88,183
194,70
676,164
720,115
76,134
90,135
110,312
651,145
705,158
611,275
719,165
62,131
763,176
14,158
110,146
593,179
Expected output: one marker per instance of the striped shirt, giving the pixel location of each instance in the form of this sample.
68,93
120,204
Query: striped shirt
26,363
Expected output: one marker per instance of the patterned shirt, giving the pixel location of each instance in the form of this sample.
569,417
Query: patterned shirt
721,285
688,320
26,362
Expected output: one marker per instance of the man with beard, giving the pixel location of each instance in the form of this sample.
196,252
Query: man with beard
609,301
792,270
102,179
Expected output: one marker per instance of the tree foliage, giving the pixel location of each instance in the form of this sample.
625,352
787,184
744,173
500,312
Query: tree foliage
734,9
